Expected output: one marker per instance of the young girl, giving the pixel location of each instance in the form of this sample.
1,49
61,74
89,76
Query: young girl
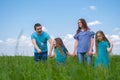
103,47
60,51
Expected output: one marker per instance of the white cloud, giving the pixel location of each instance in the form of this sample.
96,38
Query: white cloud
69,36
116,29
116,43
115,37
92,7
94,23
24,40
69,41
1,41
10,41
23,45
44,28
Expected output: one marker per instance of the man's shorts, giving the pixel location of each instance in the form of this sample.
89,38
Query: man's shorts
40,56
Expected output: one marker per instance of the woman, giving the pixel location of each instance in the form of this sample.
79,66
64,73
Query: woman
84,41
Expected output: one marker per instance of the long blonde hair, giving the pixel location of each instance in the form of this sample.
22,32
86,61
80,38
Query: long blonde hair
96,40
60,44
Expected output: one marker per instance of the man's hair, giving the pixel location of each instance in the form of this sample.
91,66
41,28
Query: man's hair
36,25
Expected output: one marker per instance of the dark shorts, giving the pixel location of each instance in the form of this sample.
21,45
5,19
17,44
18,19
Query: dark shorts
40,56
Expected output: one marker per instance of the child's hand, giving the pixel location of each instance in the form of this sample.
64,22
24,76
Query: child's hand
90,53
111,44
73,54
68,54
50,56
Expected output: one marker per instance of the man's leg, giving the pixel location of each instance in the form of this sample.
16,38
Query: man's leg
44,56
36,56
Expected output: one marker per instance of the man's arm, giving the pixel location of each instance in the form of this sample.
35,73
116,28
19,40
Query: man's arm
35,46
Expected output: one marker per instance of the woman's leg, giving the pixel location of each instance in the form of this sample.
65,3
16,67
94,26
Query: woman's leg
80,57
88,59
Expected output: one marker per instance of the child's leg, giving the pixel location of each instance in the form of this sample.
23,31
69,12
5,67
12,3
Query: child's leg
80,57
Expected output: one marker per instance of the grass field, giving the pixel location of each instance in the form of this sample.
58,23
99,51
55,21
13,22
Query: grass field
25,68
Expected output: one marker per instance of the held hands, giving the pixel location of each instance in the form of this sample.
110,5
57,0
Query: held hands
74,54
69,54
90,53
50,55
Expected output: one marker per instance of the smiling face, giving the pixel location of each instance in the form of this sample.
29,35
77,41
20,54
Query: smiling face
99,37
38,29
79,23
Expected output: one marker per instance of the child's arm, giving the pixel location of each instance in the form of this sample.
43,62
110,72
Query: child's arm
110,48
51,56
68,54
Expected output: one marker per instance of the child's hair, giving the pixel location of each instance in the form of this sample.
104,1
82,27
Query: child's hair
60,44
103,37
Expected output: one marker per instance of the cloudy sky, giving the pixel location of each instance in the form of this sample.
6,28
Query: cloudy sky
59,18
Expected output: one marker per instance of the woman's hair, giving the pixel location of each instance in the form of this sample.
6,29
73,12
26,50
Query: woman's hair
84,25
60,44
103,38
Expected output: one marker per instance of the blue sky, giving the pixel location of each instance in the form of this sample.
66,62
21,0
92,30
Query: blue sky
59,18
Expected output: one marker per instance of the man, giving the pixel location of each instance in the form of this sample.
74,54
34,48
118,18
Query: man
39,40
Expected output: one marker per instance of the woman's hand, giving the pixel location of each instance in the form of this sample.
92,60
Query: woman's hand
90,53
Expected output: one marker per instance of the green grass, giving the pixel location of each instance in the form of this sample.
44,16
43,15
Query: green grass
25,68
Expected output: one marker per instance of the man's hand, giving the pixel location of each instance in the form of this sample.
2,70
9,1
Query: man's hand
39,51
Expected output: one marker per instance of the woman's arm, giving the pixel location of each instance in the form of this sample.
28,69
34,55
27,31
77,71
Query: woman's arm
91,46
75,47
